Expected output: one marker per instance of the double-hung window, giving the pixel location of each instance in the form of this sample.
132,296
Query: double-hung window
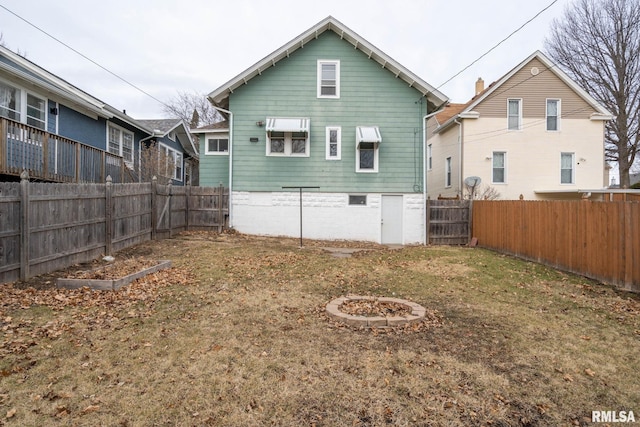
22,106
514,114
429,157
567,168
553,114
217,146
447,172
288,137
499,167
328,79
173,162
368,141
120,143
334,141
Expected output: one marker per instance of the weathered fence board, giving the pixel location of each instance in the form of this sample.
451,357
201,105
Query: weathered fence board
600,240
448,222
45,227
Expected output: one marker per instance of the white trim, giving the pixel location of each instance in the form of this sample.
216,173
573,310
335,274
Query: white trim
573,168
22,110
120,152
328,155
558,114
519,114
288,145
207,152
219,95
322,62
175,153
376,150
504,166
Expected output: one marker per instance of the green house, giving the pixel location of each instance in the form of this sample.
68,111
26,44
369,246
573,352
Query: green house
331,119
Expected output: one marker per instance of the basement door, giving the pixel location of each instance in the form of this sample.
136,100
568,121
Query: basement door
392,220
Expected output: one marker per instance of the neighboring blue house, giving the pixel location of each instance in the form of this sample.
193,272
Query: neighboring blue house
327,110
60,133
174,140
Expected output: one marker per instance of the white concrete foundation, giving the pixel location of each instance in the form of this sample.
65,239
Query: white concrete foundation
325,216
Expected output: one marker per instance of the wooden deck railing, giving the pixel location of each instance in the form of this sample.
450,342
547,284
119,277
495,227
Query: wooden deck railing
50,157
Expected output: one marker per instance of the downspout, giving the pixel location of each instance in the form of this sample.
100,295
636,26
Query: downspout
459,156
222,110
424,172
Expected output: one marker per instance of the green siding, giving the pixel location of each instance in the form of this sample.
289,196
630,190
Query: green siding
369,96
213,169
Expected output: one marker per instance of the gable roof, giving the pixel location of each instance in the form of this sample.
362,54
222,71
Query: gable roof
222,125
57,89
448,118
162,128
220,95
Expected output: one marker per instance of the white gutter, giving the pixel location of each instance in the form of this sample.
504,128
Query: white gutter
459,156
222,110
424,173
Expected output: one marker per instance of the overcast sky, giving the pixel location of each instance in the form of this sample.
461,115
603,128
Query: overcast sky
167,46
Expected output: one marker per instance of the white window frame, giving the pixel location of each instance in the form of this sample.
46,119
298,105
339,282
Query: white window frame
120,150
429,157
519,126
573,168
504,167
376,149
288,145
322,62
22,110
448,175
178,160
337,143
557,116
216,152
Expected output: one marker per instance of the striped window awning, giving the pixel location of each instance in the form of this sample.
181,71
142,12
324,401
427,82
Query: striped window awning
368,134
286,124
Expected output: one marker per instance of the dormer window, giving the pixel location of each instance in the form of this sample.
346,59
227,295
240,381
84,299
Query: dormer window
328,79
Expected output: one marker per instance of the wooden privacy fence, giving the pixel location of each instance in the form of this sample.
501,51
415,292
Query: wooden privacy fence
45,227
448,222
600,240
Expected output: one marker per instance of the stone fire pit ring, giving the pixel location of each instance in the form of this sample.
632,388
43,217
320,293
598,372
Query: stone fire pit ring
418,312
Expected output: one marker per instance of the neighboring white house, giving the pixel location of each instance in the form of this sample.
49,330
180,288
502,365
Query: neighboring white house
533,134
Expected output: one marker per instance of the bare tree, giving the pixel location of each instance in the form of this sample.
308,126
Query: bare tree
598,43
156,162
480,192
194,108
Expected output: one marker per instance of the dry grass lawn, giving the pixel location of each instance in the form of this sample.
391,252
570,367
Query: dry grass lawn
235,335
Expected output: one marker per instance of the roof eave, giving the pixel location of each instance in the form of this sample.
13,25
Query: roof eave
220,95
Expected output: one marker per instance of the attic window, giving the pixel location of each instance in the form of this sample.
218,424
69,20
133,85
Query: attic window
328,79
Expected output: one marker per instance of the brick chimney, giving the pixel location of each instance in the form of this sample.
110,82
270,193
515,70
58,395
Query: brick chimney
479,85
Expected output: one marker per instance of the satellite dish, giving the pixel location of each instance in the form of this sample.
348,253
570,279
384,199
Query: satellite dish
472,181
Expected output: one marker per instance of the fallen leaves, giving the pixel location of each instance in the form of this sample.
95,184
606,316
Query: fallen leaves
96,308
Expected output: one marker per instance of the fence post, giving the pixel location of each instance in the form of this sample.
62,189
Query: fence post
428,218
170,189
220,208
154,208
24,225
470,227
77,163
186,203
108,220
